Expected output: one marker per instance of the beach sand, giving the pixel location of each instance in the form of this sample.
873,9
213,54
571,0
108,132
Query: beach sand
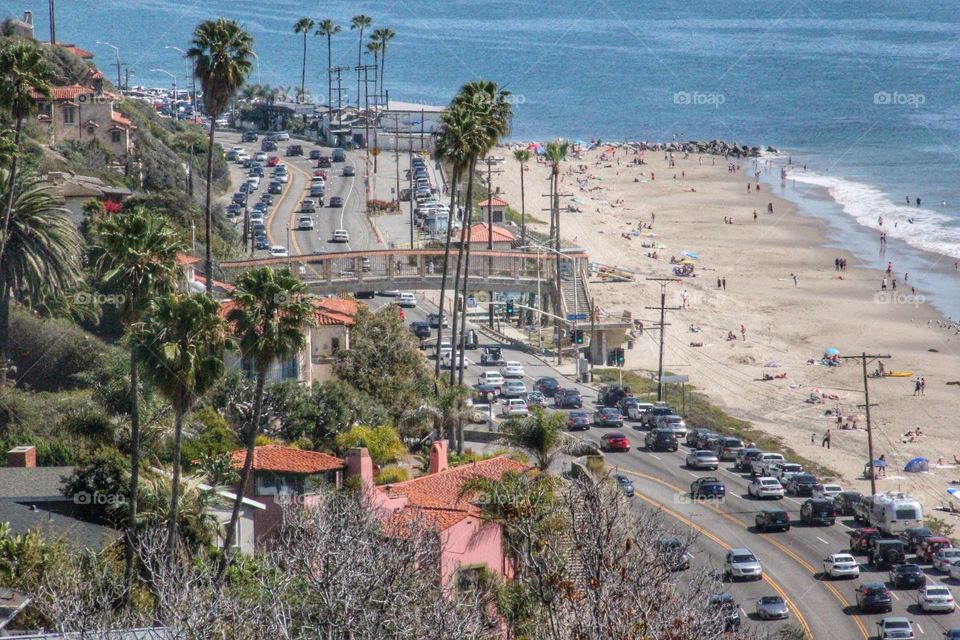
789,323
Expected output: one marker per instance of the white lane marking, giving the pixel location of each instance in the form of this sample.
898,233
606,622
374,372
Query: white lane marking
921,628
822,540
894,594
657,457
693,474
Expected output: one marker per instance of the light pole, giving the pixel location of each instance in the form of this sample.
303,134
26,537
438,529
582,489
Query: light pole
539,247
116,50
174,79
258,66
193,79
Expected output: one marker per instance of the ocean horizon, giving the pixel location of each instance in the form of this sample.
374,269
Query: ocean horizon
867,100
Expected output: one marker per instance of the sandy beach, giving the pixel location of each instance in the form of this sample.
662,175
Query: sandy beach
788,321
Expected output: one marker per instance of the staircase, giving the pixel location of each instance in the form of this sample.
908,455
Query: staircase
575,296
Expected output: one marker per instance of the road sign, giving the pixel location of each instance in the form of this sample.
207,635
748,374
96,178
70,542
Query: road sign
578,316
669,379
375,151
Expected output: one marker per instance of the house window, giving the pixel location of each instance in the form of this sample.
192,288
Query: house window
334,345
69,115
291,369
471,577
115,137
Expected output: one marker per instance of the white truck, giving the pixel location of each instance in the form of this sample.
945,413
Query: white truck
891,512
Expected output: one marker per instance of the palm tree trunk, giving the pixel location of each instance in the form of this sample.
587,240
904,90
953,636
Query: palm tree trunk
4,332
559,303
208,212
11,182
251,442
383,63
446,261
131,537
303,67
523,211
175,486
466,274
330,83
359,58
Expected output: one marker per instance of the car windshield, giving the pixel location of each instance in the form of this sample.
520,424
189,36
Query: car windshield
771,600
909,568
615,436
577,415
610,412
709,480
769,482
921,532
744,557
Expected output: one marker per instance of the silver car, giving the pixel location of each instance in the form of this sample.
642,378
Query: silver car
513,389
772,608
702,459
742,564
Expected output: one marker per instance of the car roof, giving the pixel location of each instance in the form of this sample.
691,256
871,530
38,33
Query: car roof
740,550
774,510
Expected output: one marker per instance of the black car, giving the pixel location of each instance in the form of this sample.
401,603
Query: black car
578,421
420,329
626,484
249,136
845,500
609,396
818,511
661,440
266,198
729,608
746,458
547,386
874,596
912,537
336,202
364,295
268,145
625,404
802,484
315,154
674,554
568,399
295,150
275,187
233,210
887,552
608,417
694,435
262,243
772,518
907,575
707,487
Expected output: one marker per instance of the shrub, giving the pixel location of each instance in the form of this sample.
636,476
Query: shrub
383,442
214,437
392,474
88,420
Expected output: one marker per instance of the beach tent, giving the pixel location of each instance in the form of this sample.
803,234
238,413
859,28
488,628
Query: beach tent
917,465
691,255
877,464
831,352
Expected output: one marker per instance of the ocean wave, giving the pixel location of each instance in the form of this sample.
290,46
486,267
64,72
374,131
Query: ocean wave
919,227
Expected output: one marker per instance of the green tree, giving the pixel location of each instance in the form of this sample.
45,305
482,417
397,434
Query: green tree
383,36
134,257
221,55
42,249
99,486
303,25
374,47
523,157
383,442
556,152
180,344
270,312
360,22
541,434
328,29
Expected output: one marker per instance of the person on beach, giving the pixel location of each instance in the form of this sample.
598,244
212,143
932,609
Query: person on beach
883,285
905,276
769,207
754,215
743,332
826,440
724,282
836,264
718,283
918,201
882,467
889,268
794,279
813,437
916,387
923,389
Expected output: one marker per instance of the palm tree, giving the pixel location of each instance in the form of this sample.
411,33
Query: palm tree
180,344
556,152
134,256
303,25
42,249
24,72
360,22
328,28
270,313
374,47
383,36
541,434
523,156
221,55
446,411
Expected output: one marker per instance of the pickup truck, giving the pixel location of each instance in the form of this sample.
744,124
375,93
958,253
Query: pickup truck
764,463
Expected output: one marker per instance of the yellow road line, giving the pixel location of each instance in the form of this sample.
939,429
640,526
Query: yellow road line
293,236
776,543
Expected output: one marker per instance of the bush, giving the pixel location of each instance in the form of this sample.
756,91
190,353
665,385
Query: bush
88,420
105,475
392,474
383,442
214,437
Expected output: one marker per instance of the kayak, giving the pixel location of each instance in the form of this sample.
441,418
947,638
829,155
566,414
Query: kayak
899,374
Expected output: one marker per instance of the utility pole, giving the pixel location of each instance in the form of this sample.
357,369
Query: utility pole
396,153
489,161
53,22
410,163
866,405
558,291
366,117
662,326
339,71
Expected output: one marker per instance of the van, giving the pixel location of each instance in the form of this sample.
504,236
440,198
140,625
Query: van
818,511
407,299
339,155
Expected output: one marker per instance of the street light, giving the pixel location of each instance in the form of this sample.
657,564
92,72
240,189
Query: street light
254,54
193,79
174,101
117,51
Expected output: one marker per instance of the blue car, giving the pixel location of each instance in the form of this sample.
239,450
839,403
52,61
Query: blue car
707,487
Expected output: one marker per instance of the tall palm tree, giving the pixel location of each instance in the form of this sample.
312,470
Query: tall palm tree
270,312
42,249
556,152
134,256
328,28
221,53
303,25
374,47
360,22
523,157
180,344
24,72
383,36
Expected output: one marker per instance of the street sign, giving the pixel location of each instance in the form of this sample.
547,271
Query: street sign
669,379
578,316
375,151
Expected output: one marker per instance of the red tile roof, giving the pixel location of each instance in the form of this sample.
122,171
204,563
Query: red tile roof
496,202
334,311
275,457
77,51
121,121
223,286
66,92
478,234
184,260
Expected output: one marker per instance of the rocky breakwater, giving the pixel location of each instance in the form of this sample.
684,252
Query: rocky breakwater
711,147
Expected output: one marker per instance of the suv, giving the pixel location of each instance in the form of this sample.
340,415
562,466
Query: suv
660,440
874,596
913,536
861,540
818,511
887,552
694,435
611,395
762,465
746,457
567,399
772,518
727,448
648,419
741,563
802,484
491,355
420,329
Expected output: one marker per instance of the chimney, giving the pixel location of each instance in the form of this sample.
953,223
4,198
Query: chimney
360,464
438,456
23,457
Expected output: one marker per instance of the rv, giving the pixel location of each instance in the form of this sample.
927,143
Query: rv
891,513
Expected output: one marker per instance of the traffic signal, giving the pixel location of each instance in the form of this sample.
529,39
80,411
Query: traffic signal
578,336
620,357
509,308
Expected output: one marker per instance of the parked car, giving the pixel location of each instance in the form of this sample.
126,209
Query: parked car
511,369
607,417
625,484
907,575
818,511
707,487
513,389
578,421
568,399
702,459
772,608
936,597
765,487
861,540
615,441
874,597
659,440
741,563
772,518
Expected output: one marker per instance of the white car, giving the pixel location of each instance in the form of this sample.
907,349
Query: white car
278,252
936,597
635,410
305,223
341,235
283,136
765,487
765,462
828,491
491,377
784,470
242,156
511,369
515,407
954,569
895,628
261,156
841,565
281,176
513,389
407,299
944,558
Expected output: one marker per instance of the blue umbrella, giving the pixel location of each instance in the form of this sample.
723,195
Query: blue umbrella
917,465
879,463
832,352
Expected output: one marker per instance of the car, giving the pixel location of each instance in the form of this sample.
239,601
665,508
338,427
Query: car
818,511
234,210
727,448
907,575
786,470
746,457
317,191
952,634
845,500
610,395
315,154
936,597
336,202
491,355
511,369
827,491
491,377
626,403
433,320
636,409
535,398
625,484
861,540
664,419
674,554
895,628
930,546
323,162
772,518
348,171
319,173
913,536
765,487
887,552
728,608
943,558
266,198
741,563
262,243
707,487
278,251
249,136
275,187
607,417
841,565
679,428
568,399
340,235
954,570
578,421
802,484
308,206
407,300
615,441
772,608
513,389
281,176
339,155
515,407
660,440
648,418
305,223
365,295
874,597
702,459
694,435
763,464
547,386
707,441
420,329
273,161
268,145
389,293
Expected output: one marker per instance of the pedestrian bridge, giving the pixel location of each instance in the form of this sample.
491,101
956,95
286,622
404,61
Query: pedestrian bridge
415,269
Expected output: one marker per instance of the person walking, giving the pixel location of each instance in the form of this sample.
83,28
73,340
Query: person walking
743,332
826,440
923,387
813,438
718,283
883,285
724,281
882,467
916,387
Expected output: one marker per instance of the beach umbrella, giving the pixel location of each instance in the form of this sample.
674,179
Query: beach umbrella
879,464
917,465
831,352
773,363
691,255
687,261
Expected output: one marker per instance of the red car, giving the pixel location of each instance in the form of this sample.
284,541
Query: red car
862,539
615,441
929,546
320,173
273,161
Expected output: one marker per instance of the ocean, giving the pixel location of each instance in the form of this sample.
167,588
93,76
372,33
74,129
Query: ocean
864,94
